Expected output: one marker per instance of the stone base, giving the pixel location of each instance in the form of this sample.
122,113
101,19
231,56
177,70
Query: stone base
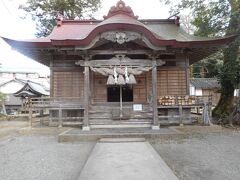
155,127
86,128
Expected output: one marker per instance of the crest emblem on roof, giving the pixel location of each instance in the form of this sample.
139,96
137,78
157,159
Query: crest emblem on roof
120,36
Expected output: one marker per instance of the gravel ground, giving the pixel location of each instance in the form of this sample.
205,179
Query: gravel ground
202,156
42,158
10,128
29,154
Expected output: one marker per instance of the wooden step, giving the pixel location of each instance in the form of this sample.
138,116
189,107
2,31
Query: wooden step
131,123
112,126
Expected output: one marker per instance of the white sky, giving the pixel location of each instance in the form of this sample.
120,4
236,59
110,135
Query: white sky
12,26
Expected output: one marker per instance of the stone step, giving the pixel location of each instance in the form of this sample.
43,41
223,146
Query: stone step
119,140
120,122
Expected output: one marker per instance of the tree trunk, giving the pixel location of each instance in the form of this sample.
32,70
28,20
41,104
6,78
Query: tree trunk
227,79
4,108
225,104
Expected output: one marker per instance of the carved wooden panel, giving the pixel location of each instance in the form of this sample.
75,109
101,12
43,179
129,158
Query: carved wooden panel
68,84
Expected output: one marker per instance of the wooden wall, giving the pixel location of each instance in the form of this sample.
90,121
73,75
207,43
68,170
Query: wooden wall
68,84
67,80
140,89
99,88
172,81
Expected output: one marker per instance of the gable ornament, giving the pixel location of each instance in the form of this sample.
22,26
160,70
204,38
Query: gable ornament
120,36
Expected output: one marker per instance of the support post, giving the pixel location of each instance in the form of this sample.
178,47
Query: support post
30,116
180,115
187,74
156,125
210,109
210,113
50,117
60,120
30,112
51,78
86,98
51,90
205,114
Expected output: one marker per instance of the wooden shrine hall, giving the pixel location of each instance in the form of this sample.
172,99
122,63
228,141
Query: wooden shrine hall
120,71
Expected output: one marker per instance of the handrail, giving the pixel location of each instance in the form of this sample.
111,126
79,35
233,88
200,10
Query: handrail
53,101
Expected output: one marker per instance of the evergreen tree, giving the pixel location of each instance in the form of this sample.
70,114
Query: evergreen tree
44,12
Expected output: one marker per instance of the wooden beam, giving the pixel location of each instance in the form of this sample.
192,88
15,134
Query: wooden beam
118,62
115,52
67,69
72,51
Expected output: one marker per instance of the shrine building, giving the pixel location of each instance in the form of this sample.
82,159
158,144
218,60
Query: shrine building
120,71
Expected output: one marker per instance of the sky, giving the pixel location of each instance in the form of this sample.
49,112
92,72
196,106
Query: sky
12,26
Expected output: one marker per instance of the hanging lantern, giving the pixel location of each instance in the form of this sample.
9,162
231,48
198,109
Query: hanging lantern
110,80
121,80
132,79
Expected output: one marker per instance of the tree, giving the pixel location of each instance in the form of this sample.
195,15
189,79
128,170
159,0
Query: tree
209,67
215,19
44,12
2,101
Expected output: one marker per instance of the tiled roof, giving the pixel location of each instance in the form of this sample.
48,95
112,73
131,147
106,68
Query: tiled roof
83,34
205,83
36,87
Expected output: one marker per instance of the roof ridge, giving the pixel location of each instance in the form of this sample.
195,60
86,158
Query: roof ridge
120,8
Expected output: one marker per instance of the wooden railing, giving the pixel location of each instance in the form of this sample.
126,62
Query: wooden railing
184,100
51,102
59,104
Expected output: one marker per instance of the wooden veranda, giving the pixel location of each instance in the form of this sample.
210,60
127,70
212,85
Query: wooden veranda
175,104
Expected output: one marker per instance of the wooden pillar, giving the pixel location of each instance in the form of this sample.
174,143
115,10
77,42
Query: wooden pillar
50,117
30,111
156,124
86,98
180,115
210,113
60,120
51,91
205,114
30,116
51,78
187,75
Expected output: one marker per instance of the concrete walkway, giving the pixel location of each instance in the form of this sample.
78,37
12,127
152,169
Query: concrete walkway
125,160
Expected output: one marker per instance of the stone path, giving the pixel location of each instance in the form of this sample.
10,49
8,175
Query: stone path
129,160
